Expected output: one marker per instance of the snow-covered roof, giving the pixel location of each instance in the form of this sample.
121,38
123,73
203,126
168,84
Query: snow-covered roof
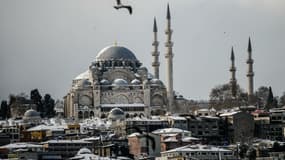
91,139
210,117
21,145
170,139
84,75
44,127
229,113
86,157
145,119
177,118
187,139
170,130
173,138
134,134
203,110
65,141
86,154
123,105
95,123
198,148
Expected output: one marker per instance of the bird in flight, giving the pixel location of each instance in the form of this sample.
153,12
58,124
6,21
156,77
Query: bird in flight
120,5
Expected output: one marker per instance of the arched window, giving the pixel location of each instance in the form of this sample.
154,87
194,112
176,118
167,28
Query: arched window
91,114
80,115
138,100
121,99
86,114
157,100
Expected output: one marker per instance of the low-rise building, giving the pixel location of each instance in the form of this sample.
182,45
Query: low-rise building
208,128
145,124
261,123
65,148
147,144
275,131
177,122
205,112
174,137
201,152
239,126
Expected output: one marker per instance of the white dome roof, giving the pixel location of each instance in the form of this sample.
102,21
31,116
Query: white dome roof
115,53
120,82
105,82
136,82
84,151
84,75
116,113
156,81
31,114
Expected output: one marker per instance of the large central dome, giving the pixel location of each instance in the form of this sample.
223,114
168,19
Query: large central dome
115,53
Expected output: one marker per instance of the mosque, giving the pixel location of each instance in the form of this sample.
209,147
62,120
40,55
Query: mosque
117,79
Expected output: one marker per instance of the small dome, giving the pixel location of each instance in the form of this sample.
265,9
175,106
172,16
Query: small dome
105,82
156,82
31,114
136,82
116,114
115,53
84,151
120,82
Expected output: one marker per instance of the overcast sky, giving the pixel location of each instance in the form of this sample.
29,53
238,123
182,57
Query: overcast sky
46,43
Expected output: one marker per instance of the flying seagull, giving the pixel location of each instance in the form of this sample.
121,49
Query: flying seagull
120,5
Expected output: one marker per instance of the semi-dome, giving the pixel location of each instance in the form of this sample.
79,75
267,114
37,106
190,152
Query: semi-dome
84,75
116,53
84,83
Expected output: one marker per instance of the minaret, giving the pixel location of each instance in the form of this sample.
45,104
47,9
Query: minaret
169,62
233,81
155,53
250,73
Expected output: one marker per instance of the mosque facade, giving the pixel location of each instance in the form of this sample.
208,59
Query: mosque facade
116,79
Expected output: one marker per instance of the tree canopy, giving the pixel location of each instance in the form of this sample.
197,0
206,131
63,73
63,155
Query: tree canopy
221,97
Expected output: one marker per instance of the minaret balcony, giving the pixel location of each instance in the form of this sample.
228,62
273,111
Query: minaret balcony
155,43
168,31
233,69
167,55
155,53
249,61
155,64
168,44
250,74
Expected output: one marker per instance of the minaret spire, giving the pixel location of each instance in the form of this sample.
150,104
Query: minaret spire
155,53
233,81
168,12
250,73
169,61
